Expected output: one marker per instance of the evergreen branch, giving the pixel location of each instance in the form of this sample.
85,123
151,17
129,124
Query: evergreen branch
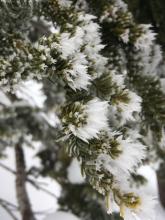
74,57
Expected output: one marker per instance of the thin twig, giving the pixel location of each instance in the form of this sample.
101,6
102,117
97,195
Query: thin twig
8,204
38,187
7,168
8,210
29,180
15,208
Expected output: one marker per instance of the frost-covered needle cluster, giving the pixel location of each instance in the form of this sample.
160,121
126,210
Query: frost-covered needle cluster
73,57
84,120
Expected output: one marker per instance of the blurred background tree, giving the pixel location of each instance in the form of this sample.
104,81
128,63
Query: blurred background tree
152,12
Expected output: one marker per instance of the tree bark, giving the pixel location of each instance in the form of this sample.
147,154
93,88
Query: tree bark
161,189
21,192
161,183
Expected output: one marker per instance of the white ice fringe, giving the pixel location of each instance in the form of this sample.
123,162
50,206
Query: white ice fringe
77,76
145,211
125,36
131,156
93,44
96,111
87,36
146,39
31,92
118,79
65,3
127,109
120,4
69,45
74,172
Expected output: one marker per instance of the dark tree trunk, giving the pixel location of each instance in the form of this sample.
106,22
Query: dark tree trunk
161,184
161,187
22,195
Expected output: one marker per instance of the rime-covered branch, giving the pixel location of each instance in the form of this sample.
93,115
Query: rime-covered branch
100,104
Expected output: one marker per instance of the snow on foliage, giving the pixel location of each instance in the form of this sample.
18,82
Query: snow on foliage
74,172
85,121
31,92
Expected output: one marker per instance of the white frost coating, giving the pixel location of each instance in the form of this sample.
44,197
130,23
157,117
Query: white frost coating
82,53
31,92
69,45
156,58
131,155
87,37
127,109
64,3
4,100
51,118
74,172
125,36
118,79
61,216
77,76
145,211
149,60
146,39
163,84
162,141
94,46
96,112
121,4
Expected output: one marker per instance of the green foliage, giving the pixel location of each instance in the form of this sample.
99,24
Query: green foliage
150,11
153,100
